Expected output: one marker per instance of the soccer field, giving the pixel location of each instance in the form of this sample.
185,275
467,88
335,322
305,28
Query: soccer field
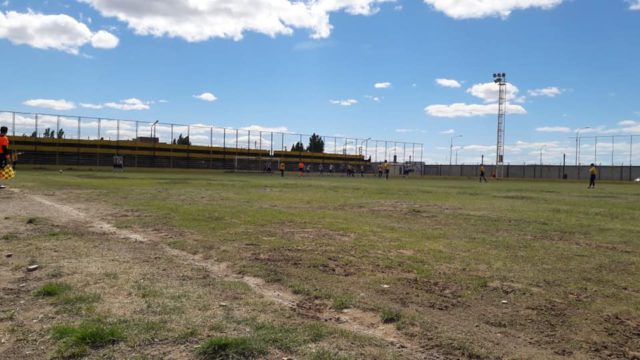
320,267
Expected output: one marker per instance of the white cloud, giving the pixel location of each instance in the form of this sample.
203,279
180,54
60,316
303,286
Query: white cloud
258,128
553,129
548,91
91,106
448,132
469,110
627,123
373,98
58,32
489,92
206,96
403,131
474,9
202,20
128,104
51,104
450,83
634,5
104,40
347,102
382,85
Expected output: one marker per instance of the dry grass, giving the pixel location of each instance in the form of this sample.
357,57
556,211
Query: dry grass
511,269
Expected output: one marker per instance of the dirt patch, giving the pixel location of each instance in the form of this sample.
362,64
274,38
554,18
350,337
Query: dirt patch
357,321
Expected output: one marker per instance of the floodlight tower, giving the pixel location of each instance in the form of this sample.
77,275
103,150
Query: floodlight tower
501,80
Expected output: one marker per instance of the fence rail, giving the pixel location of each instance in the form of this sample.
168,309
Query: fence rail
96,128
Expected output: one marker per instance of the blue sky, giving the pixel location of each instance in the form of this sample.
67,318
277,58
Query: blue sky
314,66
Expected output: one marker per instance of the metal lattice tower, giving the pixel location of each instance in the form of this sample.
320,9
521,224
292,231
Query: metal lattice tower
501,80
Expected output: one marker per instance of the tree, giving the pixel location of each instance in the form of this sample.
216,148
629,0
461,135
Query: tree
47,133
316,144
34,134
182,140
60,134
298,147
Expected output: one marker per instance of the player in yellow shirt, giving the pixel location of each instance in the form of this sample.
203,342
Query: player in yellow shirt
482,177
386,167
281,167
592,176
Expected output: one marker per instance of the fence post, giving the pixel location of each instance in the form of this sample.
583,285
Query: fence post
171,149
613,145
78,143
13,123
57,140
630,157
135,164
36,125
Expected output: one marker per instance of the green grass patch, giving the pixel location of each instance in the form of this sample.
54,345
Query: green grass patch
341,302
389,316
52,289
231,348
328,355
77,340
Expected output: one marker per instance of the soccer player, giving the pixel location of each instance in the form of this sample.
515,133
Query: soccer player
281,168
482,177
386,169
5,155
380,171
592,176
300,169
331,169
321,170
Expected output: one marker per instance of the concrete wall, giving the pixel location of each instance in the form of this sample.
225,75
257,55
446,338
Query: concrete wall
625,173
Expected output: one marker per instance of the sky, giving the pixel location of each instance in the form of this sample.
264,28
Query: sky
417,71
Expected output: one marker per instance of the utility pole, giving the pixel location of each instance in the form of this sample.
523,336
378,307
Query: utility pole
451,149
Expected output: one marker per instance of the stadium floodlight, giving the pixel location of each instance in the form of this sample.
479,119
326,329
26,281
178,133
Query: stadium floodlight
451,148
578,142
501,80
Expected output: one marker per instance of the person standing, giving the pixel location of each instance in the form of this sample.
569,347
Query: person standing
281,167
300,169
321,170
386,169
5,155
592,176
482,177
331,169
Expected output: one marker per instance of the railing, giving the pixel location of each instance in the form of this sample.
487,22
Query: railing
94,128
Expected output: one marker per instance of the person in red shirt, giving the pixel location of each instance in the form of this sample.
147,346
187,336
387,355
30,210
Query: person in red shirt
5,155
301,168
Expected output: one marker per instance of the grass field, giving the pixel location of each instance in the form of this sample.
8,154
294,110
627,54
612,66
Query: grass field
509,269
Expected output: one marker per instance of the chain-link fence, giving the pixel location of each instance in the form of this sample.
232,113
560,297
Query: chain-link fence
41,125
607,150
